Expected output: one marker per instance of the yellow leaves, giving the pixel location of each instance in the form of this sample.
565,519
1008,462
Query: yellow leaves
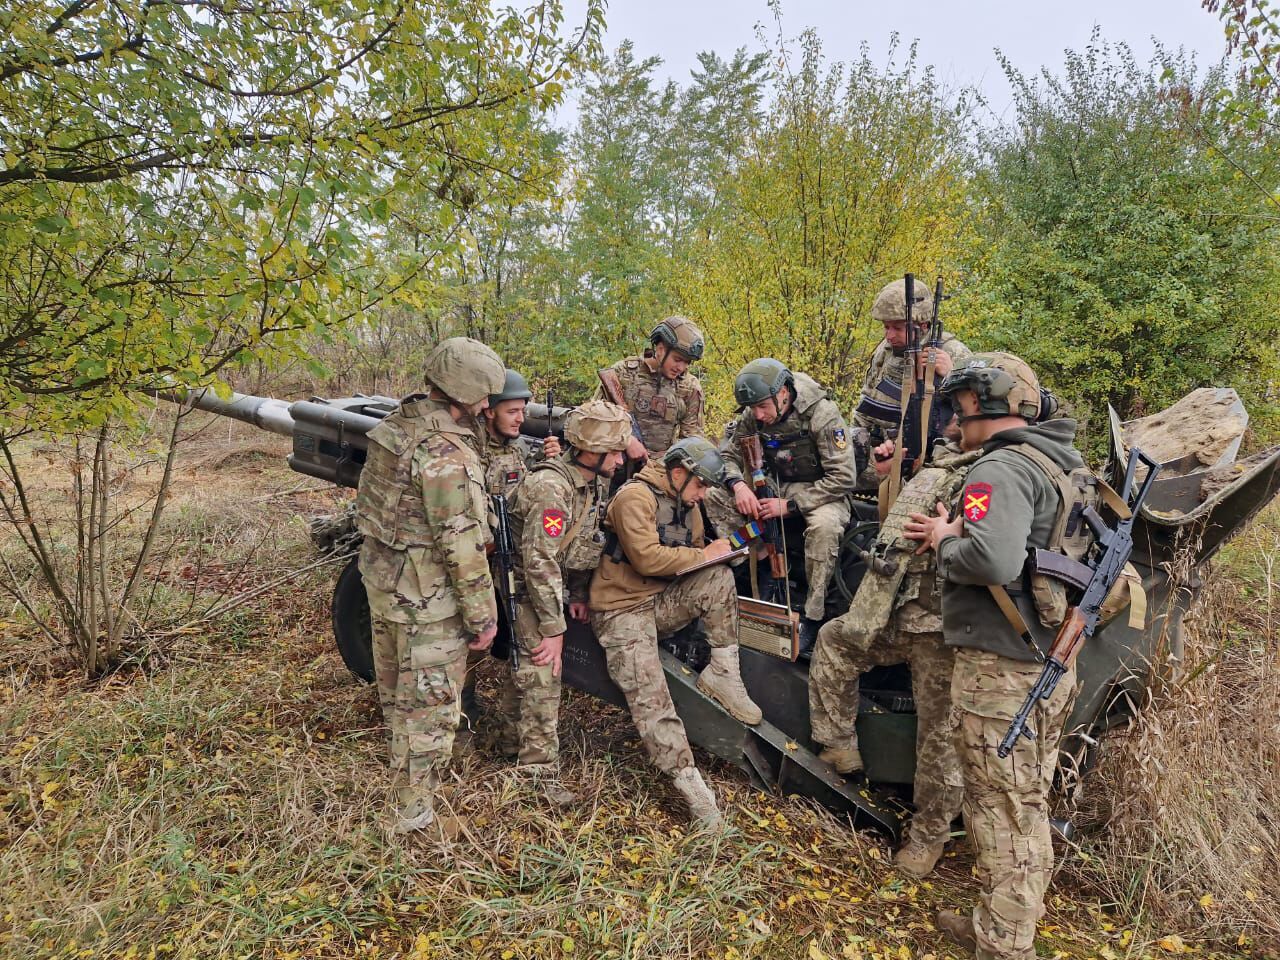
816,952
1206,901
1251,896
47,799
1172,944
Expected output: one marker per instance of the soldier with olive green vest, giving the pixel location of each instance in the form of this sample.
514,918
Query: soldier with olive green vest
807,447
637,595
421,509
1013,498
556,517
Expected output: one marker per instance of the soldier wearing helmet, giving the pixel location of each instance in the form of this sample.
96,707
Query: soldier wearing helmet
662,396
422,510
637,595
556,517
807,448
1010,502
879,408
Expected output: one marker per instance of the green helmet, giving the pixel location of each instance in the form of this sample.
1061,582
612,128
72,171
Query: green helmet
465,370
681,335
759,380
700,457
514,387
1004,385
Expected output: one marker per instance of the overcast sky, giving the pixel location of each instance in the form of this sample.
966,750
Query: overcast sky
957,37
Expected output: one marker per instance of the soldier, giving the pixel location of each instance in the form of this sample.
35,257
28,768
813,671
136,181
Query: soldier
896,617
1010,502
421,509
556,517
662,396
806,446
879,409
636,596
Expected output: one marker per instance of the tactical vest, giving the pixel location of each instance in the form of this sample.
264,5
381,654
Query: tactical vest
504,466
790,451
389,505
674,530
583,542
655,403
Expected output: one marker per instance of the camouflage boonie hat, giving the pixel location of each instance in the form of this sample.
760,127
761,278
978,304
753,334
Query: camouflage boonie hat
891,302
1005,386
699,456
598,426
465,370
681,335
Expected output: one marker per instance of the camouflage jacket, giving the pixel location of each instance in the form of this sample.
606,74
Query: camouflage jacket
504,461
555,519
664,410
421,507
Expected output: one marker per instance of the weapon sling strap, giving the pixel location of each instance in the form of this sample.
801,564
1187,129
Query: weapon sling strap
926,404
891,486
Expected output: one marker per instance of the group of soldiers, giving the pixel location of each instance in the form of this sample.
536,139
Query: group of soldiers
956,532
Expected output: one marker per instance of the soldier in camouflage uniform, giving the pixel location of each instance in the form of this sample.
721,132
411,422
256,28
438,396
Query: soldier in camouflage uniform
1008,504
556,517
879,409
636,596
421,510
896,617
807,447
662,396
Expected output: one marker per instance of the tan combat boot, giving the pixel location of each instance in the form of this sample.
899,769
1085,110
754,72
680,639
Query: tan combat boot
959,927
415,813
918,858
547,782
722,682
700,798
845,759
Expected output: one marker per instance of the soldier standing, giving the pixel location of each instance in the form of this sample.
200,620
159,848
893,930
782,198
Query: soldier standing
879,408
806,446
1010,502
422,511
662,396
556,518
636,597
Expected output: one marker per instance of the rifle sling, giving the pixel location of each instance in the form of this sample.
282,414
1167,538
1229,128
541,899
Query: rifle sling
1014,616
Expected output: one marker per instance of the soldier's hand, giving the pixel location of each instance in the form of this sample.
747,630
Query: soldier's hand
942,363
882,458
744,498
636,450
579,612
772,507
484,639
548,653
551,447
931,531
716,549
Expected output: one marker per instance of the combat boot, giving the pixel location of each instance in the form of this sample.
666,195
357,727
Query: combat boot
547,782
958,927
721,680
918,858
845,759
416,814
700,798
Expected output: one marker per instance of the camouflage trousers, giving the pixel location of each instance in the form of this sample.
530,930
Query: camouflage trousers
530,700
630,641
833,711
419,667
823,528
1006,807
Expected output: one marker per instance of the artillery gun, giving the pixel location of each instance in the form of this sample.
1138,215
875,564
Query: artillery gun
1201,497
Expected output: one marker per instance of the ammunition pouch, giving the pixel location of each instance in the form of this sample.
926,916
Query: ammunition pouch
794,459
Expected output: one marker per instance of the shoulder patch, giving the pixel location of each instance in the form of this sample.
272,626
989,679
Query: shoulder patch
837,435
553,523
975,502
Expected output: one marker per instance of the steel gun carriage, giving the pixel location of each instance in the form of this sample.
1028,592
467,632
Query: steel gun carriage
1200,497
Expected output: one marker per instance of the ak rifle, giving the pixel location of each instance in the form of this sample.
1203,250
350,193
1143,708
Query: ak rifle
504,551
753,459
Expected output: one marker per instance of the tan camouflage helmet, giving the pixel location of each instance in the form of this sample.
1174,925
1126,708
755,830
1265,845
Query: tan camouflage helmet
891,302
680,334
598,426
1005,386
465,370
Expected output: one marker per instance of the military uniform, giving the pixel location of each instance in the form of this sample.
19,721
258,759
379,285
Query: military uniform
664,410
1009,504
896,617
421,510
810,453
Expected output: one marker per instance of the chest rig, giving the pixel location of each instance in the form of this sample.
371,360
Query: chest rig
389,505
655,402
790,450
584,542
675,525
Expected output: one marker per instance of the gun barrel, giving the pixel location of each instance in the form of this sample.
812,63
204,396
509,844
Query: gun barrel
265,413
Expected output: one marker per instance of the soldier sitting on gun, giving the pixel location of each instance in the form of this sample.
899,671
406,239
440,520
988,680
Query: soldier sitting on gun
806,446
636,596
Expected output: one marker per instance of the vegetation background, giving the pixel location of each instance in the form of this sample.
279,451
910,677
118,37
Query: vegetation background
297,198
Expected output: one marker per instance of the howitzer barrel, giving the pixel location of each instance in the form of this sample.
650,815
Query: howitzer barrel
535,420
266,413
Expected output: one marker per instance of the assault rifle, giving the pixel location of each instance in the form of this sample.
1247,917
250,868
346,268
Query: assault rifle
1112,548
753,459
504,552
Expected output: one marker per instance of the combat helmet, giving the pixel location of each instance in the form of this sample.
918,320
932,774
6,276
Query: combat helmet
699,456
681,335
891,302
598,426
465,370
514,387
1003,384
759,380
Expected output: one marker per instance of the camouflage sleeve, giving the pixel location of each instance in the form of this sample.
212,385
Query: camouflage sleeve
454,498
839,467
692,423
732,453
998,502
546,513
633,515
